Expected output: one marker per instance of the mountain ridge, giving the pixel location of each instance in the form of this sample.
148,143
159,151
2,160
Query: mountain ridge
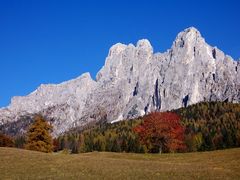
135,81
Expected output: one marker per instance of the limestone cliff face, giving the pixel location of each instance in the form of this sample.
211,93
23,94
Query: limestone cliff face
135,81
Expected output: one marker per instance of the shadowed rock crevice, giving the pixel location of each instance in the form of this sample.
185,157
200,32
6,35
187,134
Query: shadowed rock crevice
214,53
185,101
135,92
157,97
146,108
214,77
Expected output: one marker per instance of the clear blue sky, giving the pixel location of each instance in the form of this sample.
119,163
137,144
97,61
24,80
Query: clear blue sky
47,41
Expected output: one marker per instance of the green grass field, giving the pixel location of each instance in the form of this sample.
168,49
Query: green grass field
23,164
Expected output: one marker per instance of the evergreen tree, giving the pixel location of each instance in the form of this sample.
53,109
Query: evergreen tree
82,148
38,137
20,141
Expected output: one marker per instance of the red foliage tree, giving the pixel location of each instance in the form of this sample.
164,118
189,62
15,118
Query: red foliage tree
161,132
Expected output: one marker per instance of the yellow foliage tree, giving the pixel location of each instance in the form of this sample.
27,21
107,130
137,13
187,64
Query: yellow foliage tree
39,137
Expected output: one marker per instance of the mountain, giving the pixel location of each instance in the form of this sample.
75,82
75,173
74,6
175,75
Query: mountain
133,82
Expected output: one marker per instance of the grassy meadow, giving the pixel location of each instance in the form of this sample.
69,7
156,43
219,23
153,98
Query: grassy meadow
23,164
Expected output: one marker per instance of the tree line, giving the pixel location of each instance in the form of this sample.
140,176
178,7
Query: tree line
207,126
200,127
211,125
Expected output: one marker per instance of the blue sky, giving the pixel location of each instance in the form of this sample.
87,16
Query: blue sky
47,41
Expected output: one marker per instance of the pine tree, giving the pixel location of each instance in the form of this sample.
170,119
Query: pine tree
38,137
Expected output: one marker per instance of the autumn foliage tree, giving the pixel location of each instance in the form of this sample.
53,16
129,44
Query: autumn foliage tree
6,141
161,132
39,137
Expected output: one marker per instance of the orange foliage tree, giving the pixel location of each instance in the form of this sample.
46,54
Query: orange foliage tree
39,137
161,132
6,141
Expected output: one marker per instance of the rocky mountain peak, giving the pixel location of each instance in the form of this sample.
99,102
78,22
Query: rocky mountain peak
116,49
188,38
134,82
145,45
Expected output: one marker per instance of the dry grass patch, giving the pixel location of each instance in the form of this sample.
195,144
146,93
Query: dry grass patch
23,164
